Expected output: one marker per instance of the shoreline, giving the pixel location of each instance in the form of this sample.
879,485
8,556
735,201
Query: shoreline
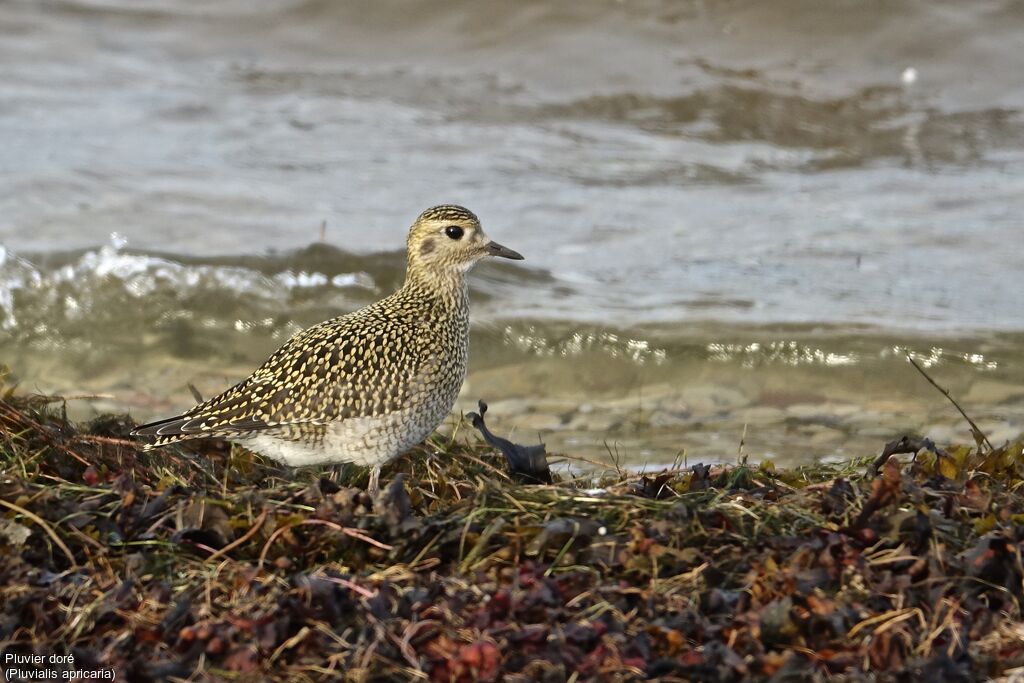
795,401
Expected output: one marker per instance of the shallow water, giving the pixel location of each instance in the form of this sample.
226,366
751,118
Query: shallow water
735,215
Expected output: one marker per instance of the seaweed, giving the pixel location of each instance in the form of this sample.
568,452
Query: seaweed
529,464
205,563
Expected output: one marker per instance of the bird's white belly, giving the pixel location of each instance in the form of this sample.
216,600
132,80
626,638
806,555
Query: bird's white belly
368,441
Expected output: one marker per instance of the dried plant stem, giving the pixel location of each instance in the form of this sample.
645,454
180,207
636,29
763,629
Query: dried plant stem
46,527
20,417
322,522
242,539
978,434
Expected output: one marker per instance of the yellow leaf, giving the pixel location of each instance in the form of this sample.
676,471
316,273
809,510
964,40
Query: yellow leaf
985,524
948,468
960,455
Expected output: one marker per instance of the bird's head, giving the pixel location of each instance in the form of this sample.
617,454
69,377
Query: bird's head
448,240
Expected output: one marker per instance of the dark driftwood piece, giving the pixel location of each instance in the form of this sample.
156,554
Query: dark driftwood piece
904,444
529,463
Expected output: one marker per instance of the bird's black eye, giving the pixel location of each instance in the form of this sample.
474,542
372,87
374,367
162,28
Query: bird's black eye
454,232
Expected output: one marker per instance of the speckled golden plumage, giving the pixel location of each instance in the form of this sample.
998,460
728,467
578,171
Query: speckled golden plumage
366,386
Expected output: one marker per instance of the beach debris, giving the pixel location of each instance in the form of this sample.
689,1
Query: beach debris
178,565
528,463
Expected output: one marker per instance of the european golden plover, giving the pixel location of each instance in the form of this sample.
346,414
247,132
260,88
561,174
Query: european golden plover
363,387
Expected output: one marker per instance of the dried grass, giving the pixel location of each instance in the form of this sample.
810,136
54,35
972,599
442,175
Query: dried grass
212,565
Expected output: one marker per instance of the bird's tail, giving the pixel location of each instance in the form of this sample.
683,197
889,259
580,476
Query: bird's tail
162,441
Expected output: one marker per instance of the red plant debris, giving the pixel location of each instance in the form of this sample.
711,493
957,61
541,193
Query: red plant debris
210,566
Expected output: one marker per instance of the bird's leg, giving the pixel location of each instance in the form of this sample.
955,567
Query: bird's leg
282,471
374,486
333,473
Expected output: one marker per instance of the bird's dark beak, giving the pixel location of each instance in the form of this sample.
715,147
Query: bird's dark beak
495,249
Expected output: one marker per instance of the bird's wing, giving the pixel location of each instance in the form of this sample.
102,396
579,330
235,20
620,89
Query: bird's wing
242,408
326,373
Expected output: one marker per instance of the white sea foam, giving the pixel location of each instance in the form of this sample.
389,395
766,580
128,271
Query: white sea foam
100,277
